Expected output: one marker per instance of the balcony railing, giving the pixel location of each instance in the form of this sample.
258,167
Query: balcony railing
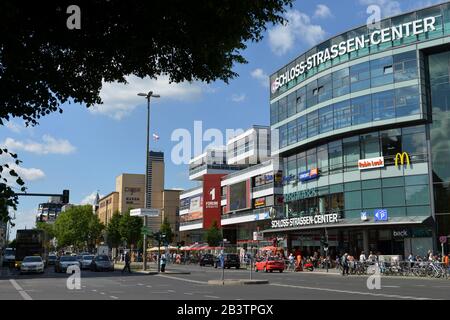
214,166
187,223
278,212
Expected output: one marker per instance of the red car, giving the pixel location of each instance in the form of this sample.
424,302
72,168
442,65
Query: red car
270,264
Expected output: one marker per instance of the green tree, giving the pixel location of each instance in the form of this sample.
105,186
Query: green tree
78,226
49,232
167,230
12,244
213,235
44,64
130,228
113,231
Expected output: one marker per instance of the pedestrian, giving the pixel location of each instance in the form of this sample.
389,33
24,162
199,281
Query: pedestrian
299,266
362,257
163,263
127,263
291,262
344,264
446,261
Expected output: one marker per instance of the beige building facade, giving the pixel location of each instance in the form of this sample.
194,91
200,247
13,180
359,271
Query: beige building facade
107,206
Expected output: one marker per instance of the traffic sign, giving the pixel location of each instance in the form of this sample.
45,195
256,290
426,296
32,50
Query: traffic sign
443,239
381,215
144,212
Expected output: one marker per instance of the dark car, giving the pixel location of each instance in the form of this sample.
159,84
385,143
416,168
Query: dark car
64,262
102,262
207,259
51,259
230,260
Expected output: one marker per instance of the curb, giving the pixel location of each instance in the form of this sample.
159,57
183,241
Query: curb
236,282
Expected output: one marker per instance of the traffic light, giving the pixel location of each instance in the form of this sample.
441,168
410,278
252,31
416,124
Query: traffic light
65,197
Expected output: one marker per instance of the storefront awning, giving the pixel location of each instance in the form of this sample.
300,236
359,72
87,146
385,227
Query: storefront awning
356,222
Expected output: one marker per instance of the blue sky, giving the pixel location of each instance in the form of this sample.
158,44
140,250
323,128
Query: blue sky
84,150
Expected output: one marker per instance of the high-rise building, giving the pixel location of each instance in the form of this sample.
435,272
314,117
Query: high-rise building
155,179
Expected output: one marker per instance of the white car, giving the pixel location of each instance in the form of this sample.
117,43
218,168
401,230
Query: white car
86,261
9,256
32,264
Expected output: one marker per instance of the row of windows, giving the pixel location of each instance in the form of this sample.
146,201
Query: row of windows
368,195
370,74
378,106
442,26
343,154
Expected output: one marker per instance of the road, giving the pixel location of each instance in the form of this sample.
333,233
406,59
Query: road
194,286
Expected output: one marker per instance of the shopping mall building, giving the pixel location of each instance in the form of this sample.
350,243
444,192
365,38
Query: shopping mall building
363,125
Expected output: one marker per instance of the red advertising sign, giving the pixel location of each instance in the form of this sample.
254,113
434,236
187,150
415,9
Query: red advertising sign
371,163
211,199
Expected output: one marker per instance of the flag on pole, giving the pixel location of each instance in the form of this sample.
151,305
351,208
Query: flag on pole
155,137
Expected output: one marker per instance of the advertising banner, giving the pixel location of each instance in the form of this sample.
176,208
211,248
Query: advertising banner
212,209
371,163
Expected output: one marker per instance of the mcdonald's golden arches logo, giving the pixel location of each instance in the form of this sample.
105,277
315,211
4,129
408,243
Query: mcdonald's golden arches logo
402,156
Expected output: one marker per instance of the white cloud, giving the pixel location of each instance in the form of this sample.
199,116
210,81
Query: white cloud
119,99
89,199
322,11
50,145
298,28
238,97
14,127
27,174
259,75
388,7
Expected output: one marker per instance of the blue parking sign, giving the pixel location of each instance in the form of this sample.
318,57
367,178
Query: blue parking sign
380,215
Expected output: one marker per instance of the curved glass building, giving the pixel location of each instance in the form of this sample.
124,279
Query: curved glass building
362,122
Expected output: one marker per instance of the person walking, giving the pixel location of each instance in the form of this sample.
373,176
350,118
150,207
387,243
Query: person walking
344,263
291,262
163,263
127,263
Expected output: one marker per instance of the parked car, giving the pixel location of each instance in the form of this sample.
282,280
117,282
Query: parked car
207,259
32,264
269,264
51,259
102,262
64,262
86,261
9,256
230,260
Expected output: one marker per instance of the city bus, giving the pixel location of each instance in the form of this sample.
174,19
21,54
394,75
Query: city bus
30,243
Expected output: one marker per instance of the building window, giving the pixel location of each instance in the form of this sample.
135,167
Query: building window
383,105
342,115
313,123
361,110
301,99
405,66
407,101
360,77
302,128
341,82
326,119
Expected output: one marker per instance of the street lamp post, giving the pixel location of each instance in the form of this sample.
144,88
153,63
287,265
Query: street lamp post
147,96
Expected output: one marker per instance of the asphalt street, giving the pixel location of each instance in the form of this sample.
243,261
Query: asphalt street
194,286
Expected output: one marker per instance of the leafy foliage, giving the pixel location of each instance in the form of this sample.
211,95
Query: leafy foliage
113,232
130,229
167,230
213,235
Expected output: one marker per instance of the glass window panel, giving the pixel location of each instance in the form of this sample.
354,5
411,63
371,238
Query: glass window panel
442,197
395,21
418,179
371,198
391,143
335,156
407,101
313,123
311,159
417,195
302,128
283,136
341,82
335,188
292,132
358,33
361,110
405,66
311,94
342,115
394,196
393,182
431,12
396,211
326,119
415,145
381,71
446,16
371,184
352,186
336,41
301,162
370,145
383,105
360,76
418,211
324,85
292,106
301,99
322,159
282,109
351,152
352,200
274,113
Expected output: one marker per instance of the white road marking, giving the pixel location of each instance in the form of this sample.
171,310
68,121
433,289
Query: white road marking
113,297
188,293
95,290
102,293
148,286
181,279
391,286
140,284
214,297
171,290
350,292
16,286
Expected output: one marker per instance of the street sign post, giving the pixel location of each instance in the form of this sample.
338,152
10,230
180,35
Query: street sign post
442,240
